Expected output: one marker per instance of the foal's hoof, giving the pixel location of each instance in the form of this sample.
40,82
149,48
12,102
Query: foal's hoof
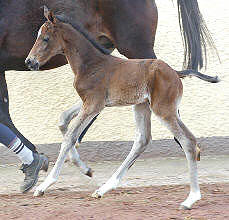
96,195
38,193
183,207
89,172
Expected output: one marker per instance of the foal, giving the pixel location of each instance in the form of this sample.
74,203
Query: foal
102,80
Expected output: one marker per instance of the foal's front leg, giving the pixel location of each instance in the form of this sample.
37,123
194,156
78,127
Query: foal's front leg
83,119
143,137
74,156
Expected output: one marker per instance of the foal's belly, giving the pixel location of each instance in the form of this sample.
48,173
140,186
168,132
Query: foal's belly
126,97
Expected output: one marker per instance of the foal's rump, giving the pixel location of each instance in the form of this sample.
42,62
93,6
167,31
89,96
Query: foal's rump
166,88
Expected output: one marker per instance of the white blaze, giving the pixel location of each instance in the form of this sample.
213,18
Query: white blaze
39,33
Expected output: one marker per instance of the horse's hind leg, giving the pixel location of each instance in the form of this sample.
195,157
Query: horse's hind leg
189,144
136,34
74,156
143,137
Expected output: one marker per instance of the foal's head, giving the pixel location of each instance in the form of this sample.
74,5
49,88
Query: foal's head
48,42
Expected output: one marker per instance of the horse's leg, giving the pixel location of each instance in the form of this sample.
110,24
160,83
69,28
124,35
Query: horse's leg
67,116
138,41
189,144
74,156
135,35
5,115
143,137
83,119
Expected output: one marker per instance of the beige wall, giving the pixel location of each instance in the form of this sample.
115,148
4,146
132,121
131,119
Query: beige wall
38,98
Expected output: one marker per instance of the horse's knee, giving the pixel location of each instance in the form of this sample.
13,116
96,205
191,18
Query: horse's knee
141,144
63,123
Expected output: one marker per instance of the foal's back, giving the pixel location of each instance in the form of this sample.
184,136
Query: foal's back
138,80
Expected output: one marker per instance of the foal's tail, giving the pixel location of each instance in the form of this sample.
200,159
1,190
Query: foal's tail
185,73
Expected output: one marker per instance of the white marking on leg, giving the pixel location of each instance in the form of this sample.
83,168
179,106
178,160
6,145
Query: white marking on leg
191,199
65,118
68,115
55,172
112,183
188,144
70,139
75,159
143,136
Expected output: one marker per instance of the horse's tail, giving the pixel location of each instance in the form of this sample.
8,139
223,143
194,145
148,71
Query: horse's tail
195,34
185,73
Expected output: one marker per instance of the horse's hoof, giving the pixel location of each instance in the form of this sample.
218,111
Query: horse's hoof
183,207
38,193
89,172
96,195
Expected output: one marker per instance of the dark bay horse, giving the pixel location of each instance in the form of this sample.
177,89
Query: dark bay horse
102,80
128,25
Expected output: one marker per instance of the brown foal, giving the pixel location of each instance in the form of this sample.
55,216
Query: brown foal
102,80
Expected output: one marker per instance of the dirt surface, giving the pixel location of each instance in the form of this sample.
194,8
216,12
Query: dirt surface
148,190
158,202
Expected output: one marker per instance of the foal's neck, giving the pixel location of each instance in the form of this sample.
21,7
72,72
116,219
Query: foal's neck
81,54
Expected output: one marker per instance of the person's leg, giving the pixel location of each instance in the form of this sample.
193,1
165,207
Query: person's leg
5,115
10,140
32,162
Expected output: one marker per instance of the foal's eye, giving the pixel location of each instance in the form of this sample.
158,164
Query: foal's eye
46,39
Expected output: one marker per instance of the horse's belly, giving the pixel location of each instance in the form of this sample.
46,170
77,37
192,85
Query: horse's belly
127,97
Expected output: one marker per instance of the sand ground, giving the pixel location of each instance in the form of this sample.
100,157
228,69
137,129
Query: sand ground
38,98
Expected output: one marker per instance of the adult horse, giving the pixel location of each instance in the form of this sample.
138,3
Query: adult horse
128,25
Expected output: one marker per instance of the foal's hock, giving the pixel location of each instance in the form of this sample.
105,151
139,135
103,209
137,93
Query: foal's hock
102,80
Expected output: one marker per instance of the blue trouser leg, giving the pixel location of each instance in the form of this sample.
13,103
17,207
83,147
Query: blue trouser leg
6,135
4,113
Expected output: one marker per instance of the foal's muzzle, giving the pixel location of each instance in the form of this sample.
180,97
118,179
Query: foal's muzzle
32,64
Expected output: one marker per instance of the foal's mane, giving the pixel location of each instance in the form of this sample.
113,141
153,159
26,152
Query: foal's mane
79,29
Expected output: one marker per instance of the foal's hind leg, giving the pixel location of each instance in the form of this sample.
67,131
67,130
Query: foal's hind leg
65,119
83,119
143,137
189,144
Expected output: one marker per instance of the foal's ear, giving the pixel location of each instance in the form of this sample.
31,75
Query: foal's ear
49,14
